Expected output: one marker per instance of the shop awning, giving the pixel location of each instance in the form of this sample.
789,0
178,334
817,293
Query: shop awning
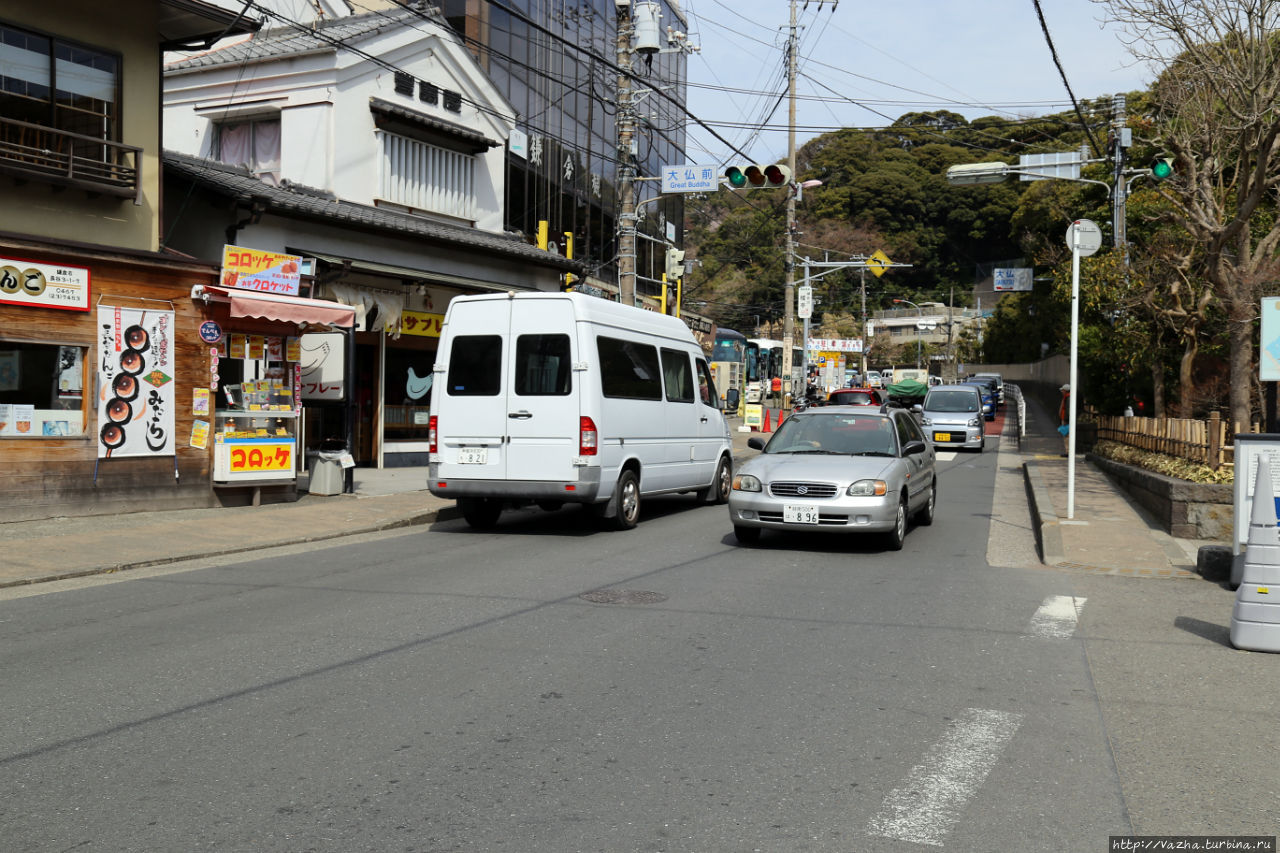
272,306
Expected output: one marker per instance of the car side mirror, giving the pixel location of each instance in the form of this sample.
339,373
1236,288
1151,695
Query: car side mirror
917,408
755,443
913,448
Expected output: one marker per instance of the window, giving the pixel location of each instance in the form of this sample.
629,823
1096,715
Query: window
628,370
706,384
61,85
254,144
677,376
41,390
475,366
542,366
422,176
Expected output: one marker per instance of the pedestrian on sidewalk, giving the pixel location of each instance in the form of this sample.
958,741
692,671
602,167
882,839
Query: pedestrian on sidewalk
1064,418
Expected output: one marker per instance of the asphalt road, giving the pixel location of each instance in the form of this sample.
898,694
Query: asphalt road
548,687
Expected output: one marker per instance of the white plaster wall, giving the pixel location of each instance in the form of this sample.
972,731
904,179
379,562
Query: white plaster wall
307,144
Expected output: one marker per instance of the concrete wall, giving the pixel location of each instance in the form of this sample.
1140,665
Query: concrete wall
1186,510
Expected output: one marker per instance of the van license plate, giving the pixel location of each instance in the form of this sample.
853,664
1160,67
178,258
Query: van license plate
473,456
799,514
942,436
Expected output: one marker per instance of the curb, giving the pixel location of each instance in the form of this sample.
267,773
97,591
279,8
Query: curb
426,517
1044,519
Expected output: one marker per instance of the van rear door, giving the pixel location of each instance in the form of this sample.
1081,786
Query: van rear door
472,405
543,393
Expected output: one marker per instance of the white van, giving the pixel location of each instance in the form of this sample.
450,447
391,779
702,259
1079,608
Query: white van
558,398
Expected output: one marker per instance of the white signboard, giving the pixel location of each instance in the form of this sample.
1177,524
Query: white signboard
1269,341
323,366
1084,236
1013,278
804,302
689,179
835,344
135,382
44,285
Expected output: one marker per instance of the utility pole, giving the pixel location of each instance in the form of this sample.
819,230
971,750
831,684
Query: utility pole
625,124
788,259
1120,140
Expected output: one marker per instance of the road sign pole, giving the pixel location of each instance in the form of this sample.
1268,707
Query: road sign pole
1084,238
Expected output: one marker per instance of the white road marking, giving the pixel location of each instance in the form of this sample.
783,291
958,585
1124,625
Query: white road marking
1057,617
928,803
946,455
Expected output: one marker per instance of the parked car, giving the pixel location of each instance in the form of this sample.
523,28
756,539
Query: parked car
999,384
952,417
990,381
874,379
855,397
837,469
988,398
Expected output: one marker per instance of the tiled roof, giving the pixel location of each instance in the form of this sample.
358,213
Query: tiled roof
309,203
466,134
284,40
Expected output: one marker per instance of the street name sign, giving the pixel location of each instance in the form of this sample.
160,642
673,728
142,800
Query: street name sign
689,178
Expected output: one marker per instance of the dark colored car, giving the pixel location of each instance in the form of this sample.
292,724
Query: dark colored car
988,398
855,397
991,383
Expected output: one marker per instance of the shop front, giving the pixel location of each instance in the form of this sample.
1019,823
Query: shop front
266,354
98,358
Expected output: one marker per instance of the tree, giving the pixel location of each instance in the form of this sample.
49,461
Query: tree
1217,112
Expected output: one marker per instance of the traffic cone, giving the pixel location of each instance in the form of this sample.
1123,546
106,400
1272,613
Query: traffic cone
766,427
782,413
1255,619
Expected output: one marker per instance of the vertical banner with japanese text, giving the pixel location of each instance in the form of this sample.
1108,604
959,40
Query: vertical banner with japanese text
135,382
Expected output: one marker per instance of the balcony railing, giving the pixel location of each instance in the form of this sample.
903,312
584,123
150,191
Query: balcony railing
42,153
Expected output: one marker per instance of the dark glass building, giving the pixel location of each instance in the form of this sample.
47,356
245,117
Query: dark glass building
556,62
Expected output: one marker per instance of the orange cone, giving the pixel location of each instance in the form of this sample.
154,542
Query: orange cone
781,415
766,427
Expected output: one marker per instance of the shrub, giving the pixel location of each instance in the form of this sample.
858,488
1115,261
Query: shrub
1160,463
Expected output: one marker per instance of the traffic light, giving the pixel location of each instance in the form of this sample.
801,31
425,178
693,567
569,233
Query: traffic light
675,264
756,176
1162,168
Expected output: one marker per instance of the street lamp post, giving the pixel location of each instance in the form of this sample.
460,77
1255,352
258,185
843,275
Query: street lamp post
920,314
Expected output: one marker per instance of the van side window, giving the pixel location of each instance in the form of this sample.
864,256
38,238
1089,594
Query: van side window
475,366
677,376
542,366
628,369
706,384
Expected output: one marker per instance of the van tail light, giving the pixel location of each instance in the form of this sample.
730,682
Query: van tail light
431,434
588,437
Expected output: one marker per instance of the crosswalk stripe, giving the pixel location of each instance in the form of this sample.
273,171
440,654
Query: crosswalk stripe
925,807
1057,617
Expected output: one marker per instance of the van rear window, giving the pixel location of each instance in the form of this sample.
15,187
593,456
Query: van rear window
628,369
475,366
542,365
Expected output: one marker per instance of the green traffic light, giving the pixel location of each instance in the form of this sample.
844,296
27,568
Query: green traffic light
1162,168
736,178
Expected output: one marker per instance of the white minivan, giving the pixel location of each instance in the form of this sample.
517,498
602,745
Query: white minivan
556,398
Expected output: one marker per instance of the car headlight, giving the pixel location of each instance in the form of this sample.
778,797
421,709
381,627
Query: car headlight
926,421
975,422
867,488
746,483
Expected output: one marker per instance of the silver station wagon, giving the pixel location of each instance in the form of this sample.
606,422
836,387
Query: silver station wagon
837,469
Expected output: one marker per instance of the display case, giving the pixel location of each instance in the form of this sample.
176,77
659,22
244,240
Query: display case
256,437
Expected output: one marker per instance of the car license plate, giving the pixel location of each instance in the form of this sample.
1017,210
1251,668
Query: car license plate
942,436
473,456
799,514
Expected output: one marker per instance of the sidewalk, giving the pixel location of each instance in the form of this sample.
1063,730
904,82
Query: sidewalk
1107,534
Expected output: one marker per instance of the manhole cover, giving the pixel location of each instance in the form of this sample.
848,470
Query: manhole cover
623,596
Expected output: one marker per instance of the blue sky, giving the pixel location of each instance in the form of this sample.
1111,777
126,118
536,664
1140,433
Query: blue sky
895,56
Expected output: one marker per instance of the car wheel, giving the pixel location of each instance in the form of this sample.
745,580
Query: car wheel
480,513
925,516
627,499
718,491
898,535
746,535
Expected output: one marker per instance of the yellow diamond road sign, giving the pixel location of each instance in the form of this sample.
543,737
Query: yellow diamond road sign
878,263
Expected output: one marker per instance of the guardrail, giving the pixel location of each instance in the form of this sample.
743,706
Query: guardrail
1019,410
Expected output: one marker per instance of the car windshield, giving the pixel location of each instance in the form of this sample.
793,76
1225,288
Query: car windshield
951,401
839,435
852,398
